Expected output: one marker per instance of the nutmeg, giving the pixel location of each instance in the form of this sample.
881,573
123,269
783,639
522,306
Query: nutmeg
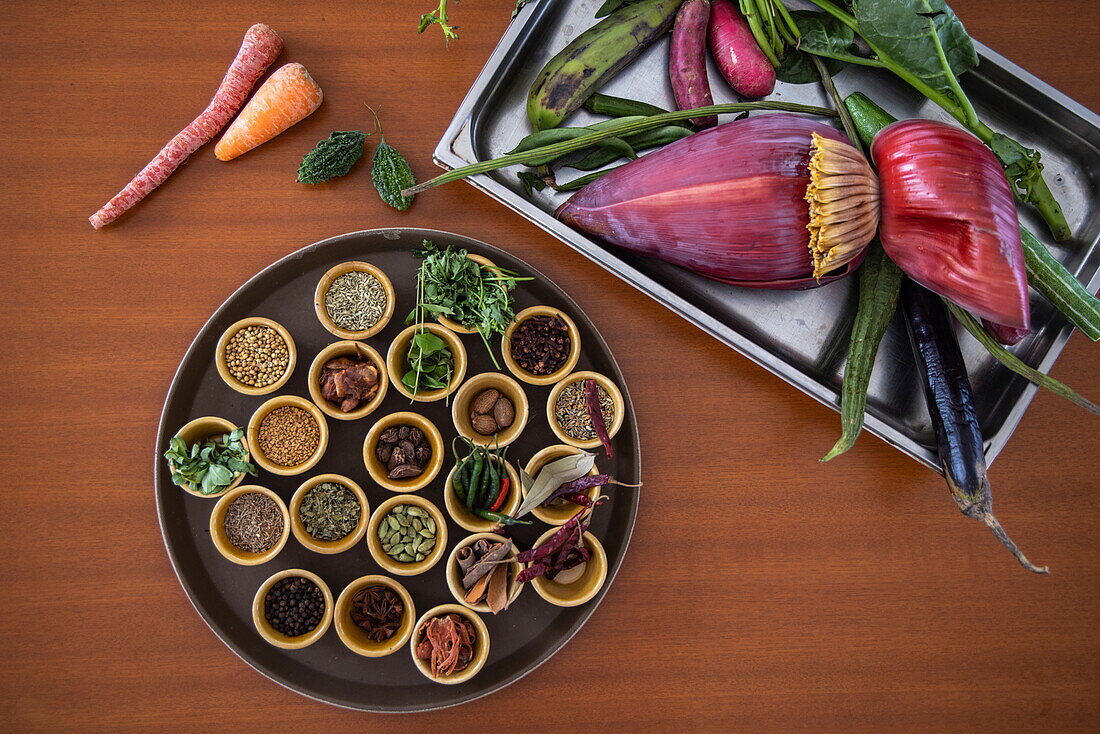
504,412
486,425
484,401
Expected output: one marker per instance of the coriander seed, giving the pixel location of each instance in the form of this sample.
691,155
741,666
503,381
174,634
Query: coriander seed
257,356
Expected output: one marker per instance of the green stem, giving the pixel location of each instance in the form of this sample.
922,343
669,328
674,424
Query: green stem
838,102
752,17
624,128
953,81
1010,360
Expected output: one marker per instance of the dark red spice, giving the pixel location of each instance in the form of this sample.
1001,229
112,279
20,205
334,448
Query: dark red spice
447,643
541,344
595,414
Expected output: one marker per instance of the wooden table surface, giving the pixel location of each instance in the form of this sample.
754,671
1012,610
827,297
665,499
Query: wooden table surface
762,590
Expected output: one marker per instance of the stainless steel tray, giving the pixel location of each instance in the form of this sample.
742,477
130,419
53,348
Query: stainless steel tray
803,336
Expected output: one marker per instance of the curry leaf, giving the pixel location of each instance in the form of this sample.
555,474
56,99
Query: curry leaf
821,34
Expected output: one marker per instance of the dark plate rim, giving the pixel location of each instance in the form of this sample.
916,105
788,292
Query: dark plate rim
159,473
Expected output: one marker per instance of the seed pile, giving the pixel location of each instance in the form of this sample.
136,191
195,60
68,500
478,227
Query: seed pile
253,523
355,301
407,534
257,356
288,436
378,611
404,450
294,606
541,344
329,511
571,413
491,412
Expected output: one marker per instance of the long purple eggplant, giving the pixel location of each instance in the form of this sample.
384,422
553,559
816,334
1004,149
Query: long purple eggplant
950,402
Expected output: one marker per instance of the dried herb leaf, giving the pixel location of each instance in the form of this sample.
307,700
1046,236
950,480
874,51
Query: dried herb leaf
552,476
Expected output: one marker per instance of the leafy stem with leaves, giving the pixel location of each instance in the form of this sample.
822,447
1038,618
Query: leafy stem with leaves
439,16
210,465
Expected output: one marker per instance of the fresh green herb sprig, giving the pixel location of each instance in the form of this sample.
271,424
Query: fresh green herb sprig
439,17
209,466
451,284
334,156
431,363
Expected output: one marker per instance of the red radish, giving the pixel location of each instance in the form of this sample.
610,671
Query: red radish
739,58
260,48
687,61
949,219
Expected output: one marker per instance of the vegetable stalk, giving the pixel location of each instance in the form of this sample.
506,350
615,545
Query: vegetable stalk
615,129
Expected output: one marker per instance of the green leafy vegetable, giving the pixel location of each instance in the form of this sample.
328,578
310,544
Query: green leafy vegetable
209,466
390,171
439,17
431,363
822,35
334,156
452,285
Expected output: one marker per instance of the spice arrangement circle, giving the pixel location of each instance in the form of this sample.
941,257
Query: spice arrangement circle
349,662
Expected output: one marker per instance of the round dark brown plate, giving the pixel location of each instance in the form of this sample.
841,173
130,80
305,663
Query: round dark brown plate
522,637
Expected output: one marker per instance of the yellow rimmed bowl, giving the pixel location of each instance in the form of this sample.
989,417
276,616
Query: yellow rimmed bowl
481,644
557,513
397,567
326,281
577,591
454,573
328,547
454,325
464,398
201,429
221,540
272,635
469,521
223,367
397,363
345,349
254,434
380,473
355,637
570,361
610,387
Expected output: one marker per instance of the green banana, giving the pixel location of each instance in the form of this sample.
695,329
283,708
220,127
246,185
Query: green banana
594,57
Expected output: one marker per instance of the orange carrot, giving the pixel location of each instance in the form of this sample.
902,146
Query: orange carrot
288,96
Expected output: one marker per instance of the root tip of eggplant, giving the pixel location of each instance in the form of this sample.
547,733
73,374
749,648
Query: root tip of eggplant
993,524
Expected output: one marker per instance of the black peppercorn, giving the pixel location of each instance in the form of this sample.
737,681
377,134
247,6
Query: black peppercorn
294,606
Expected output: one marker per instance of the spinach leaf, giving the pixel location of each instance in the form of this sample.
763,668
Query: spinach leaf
908,30
821,34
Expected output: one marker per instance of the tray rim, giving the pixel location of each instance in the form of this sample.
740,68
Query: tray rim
158,476
460,129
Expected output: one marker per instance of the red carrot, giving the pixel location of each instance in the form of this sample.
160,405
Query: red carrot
260,48
595,414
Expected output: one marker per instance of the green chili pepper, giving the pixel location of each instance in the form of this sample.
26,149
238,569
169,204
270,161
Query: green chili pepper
475,478
498,517
491,484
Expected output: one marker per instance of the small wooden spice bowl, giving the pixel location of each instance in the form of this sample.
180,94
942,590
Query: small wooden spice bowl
378,471
557,513
481,645
580,590
397,567
612,390
355,637
201,429
345,349
223,368
509,388
397,362
278,639
469,521
328,547
221,540
253,435
454,325
570,361
454,574
335,272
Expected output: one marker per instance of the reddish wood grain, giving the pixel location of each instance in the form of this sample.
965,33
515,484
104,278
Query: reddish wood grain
762,591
